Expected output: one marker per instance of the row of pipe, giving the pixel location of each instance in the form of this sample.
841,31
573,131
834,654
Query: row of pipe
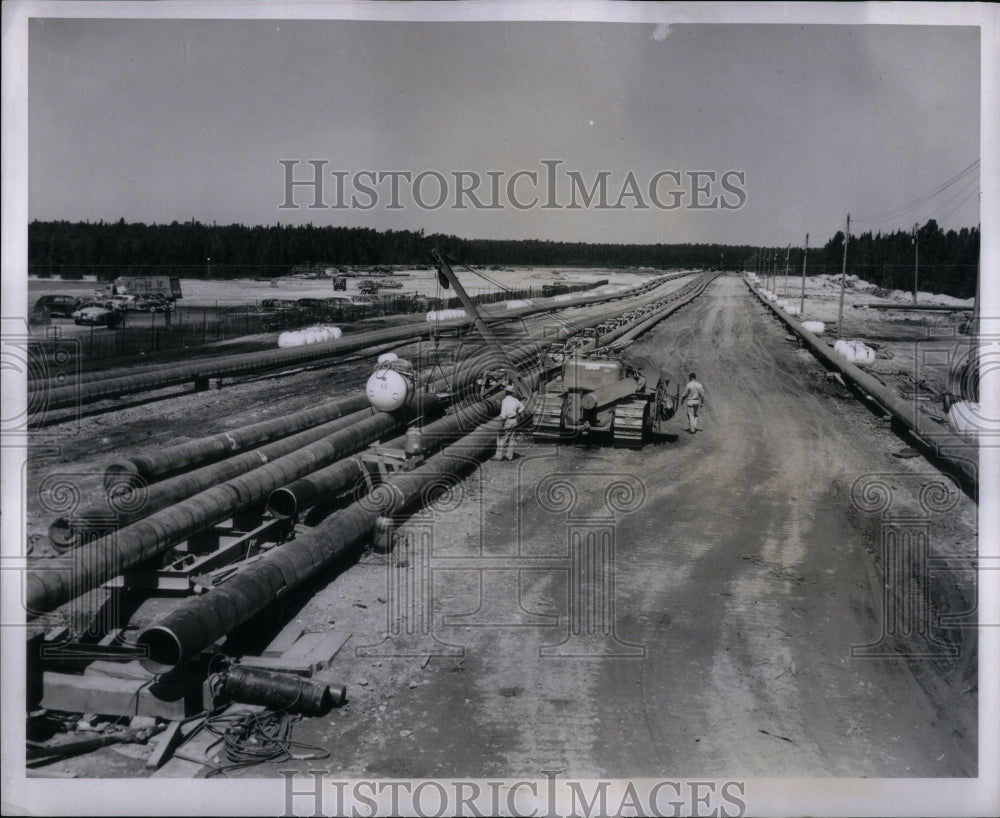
130,502
48,397
327,483
131,498
200,621
151,465
58,393
154,464
960,454
49,585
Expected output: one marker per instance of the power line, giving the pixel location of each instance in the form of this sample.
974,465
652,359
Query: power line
920,200
965,198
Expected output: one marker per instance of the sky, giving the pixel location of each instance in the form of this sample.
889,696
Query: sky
163,120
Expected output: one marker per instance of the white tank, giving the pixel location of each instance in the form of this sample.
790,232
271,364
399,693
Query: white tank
291,338
388,389
387,357
792,310
445,315
856,352
815,327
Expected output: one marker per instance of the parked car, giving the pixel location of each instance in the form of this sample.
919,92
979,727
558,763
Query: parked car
97,315
150,303
57,305
278,304
122,302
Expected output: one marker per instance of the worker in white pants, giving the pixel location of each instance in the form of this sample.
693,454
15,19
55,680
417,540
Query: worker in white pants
694,397
510,411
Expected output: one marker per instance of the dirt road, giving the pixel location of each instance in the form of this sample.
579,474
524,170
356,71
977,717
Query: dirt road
742,575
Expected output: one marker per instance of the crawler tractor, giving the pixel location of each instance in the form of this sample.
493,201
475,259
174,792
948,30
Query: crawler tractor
605,392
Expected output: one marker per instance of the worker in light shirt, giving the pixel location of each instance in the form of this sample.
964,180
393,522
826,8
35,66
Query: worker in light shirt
510,412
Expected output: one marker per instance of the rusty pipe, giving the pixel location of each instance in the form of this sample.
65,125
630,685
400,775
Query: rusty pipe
282,691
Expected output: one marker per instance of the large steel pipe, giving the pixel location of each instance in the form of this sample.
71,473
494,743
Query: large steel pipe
200,621
49,587
944,444
128,503
152,465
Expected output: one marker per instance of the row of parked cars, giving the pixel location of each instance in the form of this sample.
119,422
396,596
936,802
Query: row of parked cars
101,311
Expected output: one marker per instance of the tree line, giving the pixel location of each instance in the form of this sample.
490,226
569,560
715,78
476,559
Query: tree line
70,250
946,262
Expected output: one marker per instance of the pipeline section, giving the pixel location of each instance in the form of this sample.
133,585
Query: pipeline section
130,503
49,587
200,621
943,443
133,502
153,464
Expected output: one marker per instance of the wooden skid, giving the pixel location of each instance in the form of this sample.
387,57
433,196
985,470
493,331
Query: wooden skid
112,696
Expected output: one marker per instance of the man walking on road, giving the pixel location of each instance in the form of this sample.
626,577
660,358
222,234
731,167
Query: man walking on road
694,397
510,410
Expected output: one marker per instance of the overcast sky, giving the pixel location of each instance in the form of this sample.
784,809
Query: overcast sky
162,120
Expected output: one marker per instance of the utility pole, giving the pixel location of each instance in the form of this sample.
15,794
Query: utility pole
784,289
843,277
916,258
802,298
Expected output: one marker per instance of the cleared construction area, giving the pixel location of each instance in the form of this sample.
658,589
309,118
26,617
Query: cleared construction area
715,601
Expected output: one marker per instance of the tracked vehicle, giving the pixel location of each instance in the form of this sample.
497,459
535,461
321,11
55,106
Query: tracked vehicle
605,392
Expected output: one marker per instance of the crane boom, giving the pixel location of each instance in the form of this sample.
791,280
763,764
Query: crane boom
448,277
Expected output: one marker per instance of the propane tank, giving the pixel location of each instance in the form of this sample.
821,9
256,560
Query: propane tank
390,385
